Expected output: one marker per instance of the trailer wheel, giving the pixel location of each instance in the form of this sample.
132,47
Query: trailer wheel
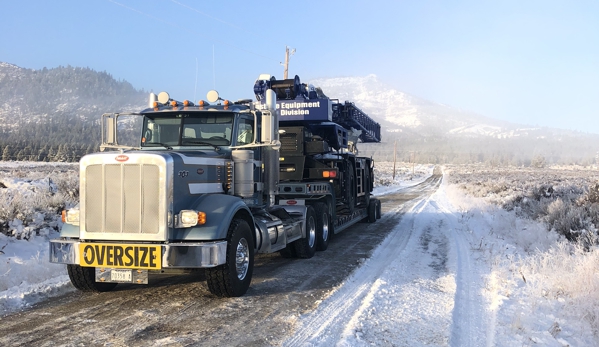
233,278
350,187
366,186
372,211
323,226
84,279
306,247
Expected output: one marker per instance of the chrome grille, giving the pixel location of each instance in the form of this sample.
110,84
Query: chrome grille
122,198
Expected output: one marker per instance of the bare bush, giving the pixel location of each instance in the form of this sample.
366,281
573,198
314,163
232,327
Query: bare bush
33,197
567,273
567,201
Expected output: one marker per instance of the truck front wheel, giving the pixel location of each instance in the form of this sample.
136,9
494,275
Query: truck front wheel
233,278
84,279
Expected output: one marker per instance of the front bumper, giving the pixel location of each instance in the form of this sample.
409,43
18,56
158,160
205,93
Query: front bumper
174,255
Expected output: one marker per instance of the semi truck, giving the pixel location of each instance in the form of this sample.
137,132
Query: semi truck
208,185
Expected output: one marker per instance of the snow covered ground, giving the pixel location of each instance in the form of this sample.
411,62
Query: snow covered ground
456,271
30,196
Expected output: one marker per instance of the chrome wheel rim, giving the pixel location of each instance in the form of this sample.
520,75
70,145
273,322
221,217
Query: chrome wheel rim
242,259
311,232
325,227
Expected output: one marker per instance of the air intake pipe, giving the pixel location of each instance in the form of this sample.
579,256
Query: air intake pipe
270,136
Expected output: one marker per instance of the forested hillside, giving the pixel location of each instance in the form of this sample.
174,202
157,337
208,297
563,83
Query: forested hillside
53,114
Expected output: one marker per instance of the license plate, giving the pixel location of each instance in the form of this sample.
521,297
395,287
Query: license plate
121,256
121,275
137,276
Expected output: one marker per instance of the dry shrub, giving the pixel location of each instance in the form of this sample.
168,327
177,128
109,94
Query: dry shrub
33,206
569,272
566,200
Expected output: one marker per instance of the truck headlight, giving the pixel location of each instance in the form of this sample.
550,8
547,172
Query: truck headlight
190,218
71,216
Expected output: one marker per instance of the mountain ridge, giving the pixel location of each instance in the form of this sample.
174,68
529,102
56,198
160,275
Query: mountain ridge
60,107
404,110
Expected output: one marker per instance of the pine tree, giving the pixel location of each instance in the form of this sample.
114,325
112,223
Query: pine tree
6,153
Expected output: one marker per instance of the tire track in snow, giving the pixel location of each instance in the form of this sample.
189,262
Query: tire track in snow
469,324
352,298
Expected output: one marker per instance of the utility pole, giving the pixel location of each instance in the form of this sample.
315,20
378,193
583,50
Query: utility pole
287,60
394,158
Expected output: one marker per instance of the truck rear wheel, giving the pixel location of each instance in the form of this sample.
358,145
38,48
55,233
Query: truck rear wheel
378,209
233,278
306,247
323,226
84,279
288,252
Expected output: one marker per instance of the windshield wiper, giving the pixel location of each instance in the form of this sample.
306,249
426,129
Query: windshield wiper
160,143
200,143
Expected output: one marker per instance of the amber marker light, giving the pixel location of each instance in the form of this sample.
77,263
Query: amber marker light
201,218
329,174
174,103
64,216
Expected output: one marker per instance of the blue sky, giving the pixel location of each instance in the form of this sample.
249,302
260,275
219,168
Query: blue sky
530,62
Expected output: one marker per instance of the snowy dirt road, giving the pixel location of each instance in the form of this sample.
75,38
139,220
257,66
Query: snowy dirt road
333,298
421,287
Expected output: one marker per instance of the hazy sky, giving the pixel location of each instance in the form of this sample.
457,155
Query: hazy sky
531,62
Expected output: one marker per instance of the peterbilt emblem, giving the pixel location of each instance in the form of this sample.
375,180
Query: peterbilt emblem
121,158
200,171
291,202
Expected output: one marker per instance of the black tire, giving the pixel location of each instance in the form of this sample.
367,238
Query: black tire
350,187
306,246
323,226
233,278
288,252
372,212
366,188
378,209
84,279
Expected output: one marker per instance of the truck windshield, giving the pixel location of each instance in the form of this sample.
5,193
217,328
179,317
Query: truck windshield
187,129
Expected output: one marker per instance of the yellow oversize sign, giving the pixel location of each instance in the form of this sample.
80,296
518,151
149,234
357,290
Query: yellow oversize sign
123,256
